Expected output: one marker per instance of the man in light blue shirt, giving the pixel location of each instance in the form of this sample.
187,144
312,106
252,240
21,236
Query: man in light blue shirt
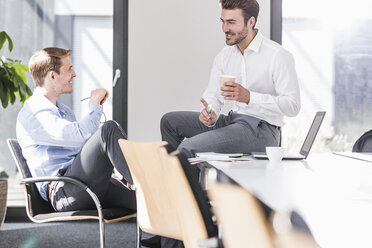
55,143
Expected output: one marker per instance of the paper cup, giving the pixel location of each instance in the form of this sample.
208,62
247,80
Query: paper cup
226,78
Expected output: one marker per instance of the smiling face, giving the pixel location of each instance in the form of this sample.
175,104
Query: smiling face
237,31
233,26
62,81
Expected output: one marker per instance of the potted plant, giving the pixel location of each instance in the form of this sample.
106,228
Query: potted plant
13,80
3,195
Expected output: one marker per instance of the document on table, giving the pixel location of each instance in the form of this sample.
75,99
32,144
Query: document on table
213,156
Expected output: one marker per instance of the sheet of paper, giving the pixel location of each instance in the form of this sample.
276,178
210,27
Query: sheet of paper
212,156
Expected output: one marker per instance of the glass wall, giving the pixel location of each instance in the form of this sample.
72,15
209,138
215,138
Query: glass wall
30,25
331,42
83,26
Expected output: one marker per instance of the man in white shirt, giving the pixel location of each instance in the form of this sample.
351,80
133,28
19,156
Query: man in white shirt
265,90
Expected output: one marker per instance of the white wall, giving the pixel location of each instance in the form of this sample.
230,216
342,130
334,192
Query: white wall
172,44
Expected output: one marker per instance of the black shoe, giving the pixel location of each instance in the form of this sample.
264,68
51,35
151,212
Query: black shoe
153,242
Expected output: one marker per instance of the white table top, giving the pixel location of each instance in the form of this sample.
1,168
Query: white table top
332,193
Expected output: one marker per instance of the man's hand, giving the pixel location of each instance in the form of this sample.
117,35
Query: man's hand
98,96
207,119
234,91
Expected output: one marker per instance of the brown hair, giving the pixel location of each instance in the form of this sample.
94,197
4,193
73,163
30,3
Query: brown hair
44,60
249,7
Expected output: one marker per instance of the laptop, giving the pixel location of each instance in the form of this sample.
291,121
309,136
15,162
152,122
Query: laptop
306,146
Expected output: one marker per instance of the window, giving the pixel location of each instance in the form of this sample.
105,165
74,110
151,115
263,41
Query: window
331,42
86,27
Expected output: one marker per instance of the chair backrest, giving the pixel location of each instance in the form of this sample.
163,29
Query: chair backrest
166,204
35,203
244,224
364,143
241,217
155,211
190,200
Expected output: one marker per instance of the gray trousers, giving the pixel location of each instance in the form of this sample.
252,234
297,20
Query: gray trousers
93,166
233,133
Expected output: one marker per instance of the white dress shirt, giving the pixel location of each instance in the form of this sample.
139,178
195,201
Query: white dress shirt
267,70
51,137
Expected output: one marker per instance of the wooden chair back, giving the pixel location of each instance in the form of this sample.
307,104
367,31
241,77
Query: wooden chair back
193,225
244,224
166,203
156,212
241,217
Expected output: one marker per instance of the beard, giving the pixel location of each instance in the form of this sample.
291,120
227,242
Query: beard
236,38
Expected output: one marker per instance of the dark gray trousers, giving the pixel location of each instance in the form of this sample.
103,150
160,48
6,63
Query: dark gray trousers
93,166
233,133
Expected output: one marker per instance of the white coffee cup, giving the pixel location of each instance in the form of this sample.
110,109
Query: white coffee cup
226,78
275,153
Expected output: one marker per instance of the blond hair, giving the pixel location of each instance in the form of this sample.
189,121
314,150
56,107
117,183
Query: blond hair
44,60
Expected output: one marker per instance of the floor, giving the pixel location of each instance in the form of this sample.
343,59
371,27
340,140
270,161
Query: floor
60,234
66,234
16,193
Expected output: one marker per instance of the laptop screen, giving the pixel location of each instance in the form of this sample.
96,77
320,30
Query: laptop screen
312,133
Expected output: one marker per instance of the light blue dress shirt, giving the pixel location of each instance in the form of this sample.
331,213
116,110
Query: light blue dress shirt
51,137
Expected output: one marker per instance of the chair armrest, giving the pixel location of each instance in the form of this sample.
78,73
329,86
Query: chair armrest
82,186
68,180
55,178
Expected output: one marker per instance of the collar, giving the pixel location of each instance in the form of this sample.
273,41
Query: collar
255,44
43,100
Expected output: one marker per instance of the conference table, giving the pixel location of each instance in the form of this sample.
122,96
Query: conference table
332,193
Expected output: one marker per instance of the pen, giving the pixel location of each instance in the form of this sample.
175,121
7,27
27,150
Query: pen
209,108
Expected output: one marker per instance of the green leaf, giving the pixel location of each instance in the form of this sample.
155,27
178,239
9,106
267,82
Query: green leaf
5,103
22,96
2,39
23,67
12,98
20,73
8,83
3,95
13,80
17,81
10,42
29,92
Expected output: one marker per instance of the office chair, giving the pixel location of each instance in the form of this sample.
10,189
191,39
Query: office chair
166,203
40,211
243,220
363,143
